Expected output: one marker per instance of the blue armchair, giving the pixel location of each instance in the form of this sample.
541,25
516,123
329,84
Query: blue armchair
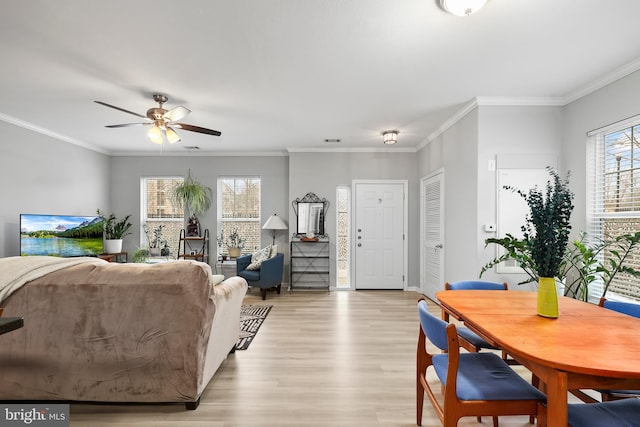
269,276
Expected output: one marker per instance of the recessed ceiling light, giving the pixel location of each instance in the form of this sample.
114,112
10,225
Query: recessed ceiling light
461,7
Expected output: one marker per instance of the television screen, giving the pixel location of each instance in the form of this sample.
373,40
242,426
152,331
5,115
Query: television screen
60,235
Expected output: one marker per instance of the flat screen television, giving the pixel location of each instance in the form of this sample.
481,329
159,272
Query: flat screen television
60,235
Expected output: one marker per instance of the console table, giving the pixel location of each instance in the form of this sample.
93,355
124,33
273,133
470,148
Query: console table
309,264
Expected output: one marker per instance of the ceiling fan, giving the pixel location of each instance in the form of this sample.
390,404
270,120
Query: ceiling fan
163,121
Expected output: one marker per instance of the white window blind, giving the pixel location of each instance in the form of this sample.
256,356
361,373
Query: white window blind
613,190
239,210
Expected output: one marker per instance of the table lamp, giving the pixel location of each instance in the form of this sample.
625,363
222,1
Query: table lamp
274,223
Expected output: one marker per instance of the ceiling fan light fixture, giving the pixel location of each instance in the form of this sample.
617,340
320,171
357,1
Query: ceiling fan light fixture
461,7
155,135
390,137
172,136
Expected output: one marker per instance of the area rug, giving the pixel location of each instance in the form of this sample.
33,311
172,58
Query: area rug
251,318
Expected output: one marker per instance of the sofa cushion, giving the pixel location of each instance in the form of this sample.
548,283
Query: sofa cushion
258,257
217,279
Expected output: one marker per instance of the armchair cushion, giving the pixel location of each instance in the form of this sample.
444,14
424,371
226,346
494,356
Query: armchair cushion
258,257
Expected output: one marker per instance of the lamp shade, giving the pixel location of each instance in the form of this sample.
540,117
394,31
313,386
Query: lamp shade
155,135
275,223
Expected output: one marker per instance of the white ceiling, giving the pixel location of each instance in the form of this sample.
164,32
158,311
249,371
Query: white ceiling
278,75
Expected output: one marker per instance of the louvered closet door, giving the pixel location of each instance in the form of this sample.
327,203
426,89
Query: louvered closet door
432,236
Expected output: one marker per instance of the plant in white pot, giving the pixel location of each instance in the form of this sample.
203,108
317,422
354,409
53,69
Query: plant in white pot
196,198
113,231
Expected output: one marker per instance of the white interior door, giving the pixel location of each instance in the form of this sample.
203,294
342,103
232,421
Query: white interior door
432,234
379,228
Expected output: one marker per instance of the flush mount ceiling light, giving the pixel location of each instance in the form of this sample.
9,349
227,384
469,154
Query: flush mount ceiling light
461,7
390,137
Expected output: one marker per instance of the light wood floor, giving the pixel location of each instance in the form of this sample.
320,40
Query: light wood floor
321,360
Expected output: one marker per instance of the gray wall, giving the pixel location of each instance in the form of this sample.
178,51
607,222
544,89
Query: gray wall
42,175
464,150
126,172
614,102
320,173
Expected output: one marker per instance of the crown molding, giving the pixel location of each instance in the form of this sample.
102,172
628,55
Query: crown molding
51,134
608,78
354,150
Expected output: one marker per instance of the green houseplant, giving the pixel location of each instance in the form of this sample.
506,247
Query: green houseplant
584,262
541,250
234,243
195,198
114,230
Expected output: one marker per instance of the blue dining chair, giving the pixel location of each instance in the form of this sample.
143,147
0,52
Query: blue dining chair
619,413
471,341
473,384
630,309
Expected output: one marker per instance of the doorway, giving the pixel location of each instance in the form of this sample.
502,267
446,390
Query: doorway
380,246
432,234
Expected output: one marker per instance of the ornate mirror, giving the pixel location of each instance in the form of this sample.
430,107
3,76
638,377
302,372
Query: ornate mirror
311,212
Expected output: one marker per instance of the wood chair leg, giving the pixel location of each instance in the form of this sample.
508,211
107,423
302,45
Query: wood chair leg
263,292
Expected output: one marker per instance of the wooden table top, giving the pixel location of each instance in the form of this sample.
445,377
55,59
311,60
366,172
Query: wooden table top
584,339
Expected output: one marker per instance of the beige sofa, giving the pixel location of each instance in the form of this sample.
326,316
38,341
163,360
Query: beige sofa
109,332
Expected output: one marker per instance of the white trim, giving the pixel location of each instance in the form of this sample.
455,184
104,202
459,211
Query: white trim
51,134
608,78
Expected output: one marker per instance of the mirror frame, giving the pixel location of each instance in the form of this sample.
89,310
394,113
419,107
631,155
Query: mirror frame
310,198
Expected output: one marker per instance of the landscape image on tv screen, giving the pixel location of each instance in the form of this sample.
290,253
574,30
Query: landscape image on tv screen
60,235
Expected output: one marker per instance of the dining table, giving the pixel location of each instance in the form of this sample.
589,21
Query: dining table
585,347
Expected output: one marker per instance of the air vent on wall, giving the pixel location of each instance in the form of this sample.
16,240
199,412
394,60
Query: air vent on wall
191,147
333,140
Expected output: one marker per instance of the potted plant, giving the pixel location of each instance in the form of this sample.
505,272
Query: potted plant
154,239
584,262
234,244
195,198
113,231
541,251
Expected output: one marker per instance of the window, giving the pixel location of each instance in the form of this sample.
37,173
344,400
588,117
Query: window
158,208
343,196
615,198
239,209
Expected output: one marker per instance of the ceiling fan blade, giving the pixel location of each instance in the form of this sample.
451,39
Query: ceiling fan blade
120,109
198,129
124,125
176,113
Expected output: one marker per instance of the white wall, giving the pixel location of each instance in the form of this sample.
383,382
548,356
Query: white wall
43,175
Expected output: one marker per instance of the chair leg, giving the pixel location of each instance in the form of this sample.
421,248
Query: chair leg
263,292
278,288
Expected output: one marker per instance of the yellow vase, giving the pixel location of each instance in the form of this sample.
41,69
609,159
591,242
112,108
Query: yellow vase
547,297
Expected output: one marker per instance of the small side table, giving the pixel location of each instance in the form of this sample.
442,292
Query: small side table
8,324
115,257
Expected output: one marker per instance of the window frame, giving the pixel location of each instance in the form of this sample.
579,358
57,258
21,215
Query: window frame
221,249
